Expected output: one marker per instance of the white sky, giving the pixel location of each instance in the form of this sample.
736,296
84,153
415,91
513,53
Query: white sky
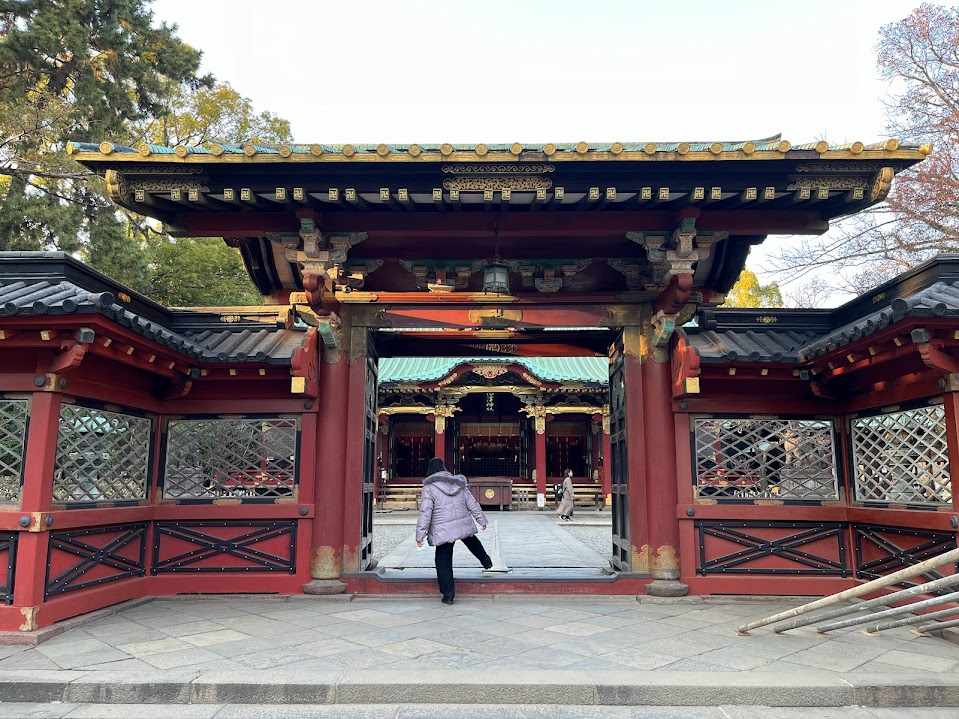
428,71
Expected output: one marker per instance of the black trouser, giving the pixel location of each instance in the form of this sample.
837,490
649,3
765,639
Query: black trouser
444,563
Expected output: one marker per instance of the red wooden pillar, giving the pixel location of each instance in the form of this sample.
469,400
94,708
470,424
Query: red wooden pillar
326,560
439,437
641,554
661,468
539,452
37,494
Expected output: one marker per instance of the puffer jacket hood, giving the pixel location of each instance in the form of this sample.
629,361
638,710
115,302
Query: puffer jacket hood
447,510
449,484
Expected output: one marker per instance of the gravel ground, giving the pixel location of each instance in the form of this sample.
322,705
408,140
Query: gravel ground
387,536
599,539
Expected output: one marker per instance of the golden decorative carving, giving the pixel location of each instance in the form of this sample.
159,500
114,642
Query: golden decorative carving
499,347
116,185
538,413
489,371
831,182
443,412
666,563
635,343
351,561
489,494
495,316
497,169
640,559
531,379
129,170
497,183
838,167
324,564
29,618
164,185
881,184
767,319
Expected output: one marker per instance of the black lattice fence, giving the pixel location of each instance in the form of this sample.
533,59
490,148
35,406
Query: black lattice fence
902,457
101,456
13,437
744,458
245,458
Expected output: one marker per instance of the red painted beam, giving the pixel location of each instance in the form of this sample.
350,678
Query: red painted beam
470,224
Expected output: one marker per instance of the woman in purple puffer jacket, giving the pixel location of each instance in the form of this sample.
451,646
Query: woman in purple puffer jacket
447,513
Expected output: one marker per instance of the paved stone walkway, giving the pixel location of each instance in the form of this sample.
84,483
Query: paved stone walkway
509,632
533,544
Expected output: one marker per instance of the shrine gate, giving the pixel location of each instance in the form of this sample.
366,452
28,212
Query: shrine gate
147,450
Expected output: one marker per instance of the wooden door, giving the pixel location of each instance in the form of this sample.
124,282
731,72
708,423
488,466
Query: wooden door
369,458
618,468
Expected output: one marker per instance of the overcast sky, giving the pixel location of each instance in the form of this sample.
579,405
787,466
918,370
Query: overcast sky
542,71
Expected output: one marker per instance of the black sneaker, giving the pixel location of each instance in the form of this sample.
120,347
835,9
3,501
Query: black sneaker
447,601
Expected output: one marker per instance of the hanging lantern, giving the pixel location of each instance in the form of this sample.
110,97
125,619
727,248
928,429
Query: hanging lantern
496,274
496,277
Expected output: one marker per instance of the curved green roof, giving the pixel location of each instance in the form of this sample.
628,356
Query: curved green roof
551,369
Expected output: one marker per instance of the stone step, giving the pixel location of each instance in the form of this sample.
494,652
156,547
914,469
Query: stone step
446,711
533,687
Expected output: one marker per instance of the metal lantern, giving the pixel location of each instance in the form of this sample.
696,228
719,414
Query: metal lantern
496,277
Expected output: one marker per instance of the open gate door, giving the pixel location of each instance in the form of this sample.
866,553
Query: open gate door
369,456
619,473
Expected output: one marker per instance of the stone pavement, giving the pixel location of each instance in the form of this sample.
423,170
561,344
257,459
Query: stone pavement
602,653
535,545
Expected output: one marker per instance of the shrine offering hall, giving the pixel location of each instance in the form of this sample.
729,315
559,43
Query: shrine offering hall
518,310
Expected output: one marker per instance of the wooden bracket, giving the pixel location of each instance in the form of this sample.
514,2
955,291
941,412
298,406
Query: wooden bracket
686,369
820,390
178,388
305,364
72,351
935,358
675,296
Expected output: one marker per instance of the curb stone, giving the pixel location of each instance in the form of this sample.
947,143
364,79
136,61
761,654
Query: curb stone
450,686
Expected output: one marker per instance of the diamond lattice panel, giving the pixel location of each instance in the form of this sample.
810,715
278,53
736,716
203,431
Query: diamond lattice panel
765,458
101,456
13,430
231,458
902,457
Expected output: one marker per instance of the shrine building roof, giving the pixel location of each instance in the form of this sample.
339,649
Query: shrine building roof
930,290
552,369
43,284
565,217
446,152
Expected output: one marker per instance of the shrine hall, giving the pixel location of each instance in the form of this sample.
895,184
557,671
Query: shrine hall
517,309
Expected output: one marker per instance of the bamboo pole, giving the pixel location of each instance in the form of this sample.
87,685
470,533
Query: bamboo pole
895,611
878,601
911,620
854,592
936,626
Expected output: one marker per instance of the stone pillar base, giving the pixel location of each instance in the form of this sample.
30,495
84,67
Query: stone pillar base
322,587
667,588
